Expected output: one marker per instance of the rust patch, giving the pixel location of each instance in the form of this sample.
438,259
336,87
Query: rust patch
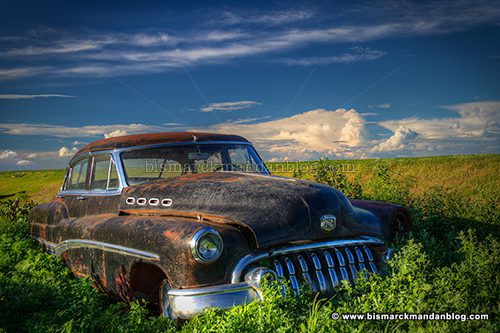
172,235
122,284
155,138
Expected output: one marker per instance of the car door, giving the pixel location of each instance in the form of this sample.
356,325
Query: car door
90,208
104,192
74,193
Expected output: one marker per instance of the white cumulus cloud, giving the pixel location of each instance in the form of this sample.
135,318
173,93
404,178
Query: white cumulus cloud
65,152
7,153
476,119
115,134
401,139
312,134
24,162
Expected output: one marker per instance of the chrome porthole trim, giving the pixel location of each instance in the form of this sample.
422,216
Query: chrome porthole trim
130,200
166,202
154,202
142,201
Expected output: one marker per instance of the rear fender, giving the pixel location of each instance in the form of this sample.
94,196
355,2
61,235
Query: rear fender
395,219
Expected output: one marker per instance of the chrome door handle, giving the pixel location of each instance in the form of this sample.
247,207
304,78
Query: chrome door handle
80,197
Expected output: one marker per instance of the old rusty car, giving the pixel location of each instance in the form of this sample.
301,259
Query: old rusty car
194,220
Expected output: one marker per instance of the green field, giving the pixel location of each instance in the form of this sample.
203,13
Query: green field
476,176
448,263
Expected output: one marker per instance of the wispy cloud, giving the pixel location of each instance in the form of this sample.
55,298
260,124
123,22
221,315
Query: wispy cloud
381,106
18,96
22,72
267,19
59,47
237,35
75,132
229,106
153,39
359,54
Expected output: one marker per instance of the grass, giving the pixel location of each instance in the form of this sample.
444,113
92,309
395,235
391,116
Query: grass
39,186
448,263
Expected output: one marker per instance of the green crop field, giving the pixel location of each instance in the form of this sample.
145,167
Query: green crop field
449,263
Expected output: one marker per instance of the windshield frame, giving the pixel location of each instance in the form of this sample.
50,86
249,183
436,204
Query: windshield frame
122,172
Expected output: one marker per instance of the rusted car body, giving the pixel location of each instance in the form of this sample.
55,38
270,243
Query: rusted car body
188,238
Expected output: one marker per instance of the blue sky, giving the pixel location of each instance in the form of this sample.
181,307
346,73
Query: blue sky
302,80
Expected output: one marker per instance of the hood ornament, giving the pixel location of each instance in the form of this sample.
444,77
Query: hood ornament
328,222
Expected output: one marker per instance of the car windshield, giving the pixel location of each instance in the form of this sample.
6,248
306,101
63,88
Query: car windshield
143,165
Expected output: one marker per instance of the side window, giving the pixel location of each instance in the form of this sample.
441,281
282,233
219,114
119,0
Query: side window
104,175
77,175
241,160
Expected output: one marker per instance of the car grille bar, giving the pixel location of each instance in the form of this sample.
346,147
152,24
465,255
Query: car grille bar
291,274
319,273
331,269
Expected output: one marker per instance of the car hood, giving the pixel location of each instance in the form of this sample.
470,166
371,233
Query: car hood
278,210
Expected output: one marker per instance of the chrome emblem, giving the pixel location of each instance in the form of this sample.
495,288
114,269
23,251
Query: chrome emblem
328,222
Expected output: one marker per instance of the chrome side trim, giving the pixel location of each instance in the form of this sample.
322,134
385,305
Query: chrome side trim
260,255
51,247
91,193
71,244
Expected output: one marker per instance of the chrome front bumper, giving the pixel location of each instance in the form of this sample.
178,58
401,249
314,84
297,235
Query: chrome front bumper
322,265
187,303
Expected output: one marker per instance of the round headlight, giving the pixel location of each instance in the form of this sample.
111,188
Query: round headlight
206,245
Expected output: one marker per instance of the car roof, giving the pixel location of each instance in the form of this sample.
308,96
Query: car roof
156,138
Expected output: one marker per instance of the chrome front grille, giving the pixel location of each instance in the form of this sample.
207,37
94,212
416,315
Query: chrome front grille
321,265
324,270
